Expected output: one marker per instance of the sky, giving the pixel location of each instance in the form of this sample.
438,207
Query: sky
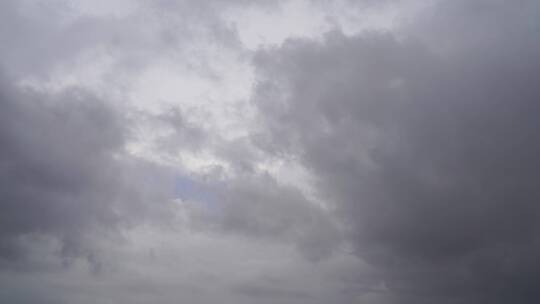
269,152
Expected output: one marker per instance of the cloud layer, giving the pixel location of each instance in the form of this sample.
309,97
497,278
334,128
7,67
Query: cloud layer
428,151
165,152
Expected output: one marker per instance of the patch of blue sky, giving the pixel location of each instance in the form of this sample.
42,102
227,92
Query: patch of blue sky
193,190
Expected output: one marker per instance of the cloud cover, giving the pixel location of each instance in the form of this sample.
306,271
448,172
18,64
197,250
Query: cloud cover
385,166
65,172
427,144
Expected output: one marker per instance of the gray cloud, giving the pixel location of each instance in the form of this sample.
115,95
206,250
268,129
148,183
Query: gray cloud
266,290
423,144
426,144
64,171
39,36
257,206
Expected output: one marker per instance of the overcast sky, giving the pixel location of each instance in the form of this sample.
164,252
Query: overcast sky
269,152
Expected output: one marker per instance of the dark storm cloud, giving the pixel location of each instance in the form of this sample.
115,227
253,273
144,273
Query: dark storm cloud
64,173
427,144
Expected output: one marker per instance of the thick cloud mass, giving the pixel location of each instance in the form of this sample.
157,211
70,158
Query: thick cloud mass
64,173
429,151
258,207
